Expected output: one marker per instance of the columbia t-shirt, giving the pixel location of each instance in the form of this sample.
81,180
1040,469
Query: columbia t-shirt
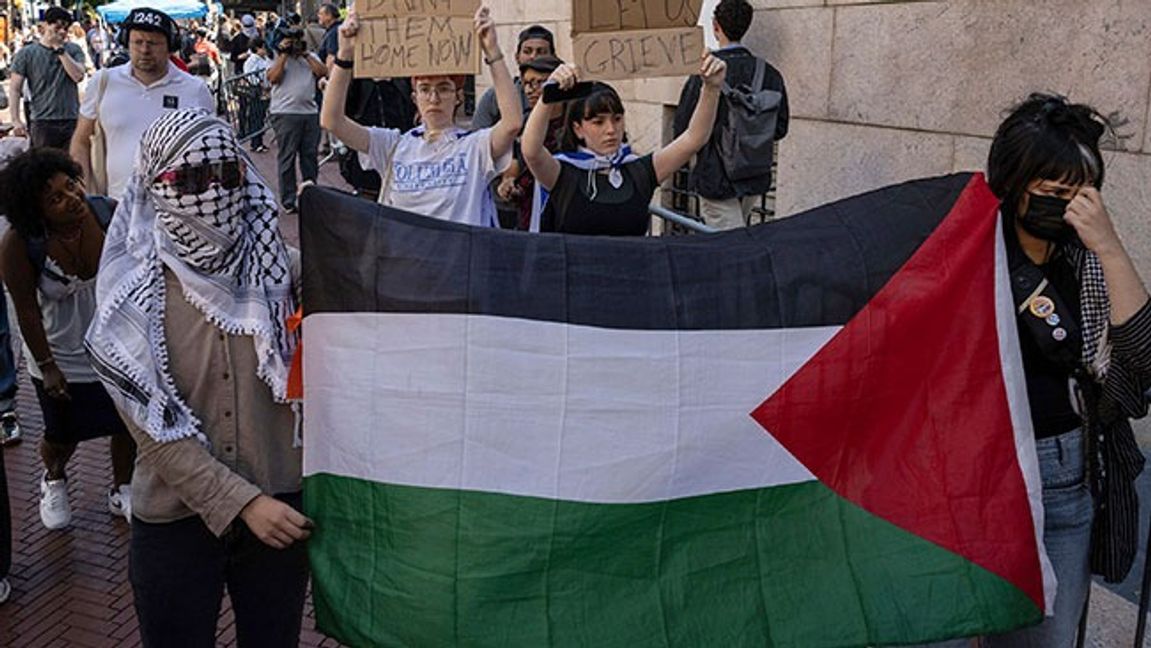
446,179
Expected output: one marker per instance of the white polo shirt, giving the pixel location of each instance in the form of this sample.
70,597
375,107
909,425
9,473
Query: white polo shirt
129,108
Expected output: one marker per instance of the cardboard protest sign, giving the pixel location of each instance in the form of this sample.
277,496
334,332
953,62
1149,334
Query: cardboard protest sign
381,8
627,15
639,54
401,38
628,39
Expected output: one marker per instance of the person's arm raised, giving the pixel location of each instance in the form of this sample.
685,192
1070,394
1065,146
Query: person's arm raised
676,154
541,162
504,131
332,116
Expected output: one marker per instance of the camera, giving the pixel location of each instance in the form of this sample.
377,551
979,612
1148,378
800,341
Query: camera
290,40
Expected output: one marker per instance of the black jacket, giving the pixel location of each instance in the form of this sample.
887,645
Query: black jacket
707,177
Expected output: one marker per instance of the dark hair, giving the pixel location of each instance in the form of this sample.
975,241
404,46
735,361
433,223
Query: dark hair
56,14
330,9
1045,138
23,182
256,44
734,17
603,99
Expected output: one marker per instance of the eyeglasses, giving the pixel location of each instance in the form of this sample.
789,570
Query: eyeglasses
533,84
427,93
229,174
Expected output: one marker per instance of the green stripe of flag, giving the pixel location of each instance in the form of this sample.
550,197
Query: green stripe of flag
792,565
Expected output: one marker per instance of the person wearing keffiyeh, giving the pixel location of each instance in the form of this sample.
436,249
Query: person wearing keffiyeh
1084,329
596,185
189,338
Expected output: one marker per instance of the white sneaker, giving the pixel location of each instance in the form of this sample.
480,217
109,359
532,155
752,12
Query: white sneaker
120,501
55,510
5,590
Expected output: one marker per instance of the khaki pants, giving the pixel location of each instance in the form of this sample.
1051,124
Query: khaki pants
727,214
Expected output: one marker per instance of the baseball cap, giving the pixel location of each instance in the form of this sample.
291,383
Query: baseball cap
545,64
57,14
537,31
148,19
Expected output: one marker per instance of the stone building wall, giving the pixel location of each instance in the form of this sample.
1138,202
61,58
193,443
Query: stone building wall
884,91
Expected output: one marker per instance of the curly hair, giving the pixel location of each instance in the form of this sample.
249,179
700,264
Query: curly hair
734,17
23,182
1046,137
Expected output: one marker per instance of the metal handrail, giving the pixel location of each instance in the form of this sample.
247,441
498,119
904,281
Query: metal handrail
681,220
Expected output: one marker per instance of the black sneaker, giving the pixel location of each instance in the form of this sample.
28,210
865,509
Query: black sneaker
10,433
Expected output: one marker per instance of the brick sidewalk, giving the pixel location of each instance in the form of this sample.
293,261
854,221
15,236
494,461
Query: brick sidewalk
70,587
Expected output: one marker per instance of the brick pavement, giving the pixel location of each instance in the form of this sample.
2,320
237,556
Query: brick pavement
70,587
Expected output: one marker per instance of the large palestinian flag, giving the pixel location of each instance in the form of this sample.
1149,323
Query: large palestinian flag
808,433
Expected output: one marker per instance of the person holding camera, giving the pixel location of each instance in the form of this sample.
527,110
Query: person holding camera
294,114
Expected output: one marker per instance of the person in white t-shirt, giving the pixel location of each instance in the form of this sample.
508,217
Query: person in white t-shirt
126,99
436,169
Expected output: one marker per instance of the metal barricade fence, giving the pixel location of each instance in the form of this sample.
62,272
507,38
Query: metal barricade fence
245,103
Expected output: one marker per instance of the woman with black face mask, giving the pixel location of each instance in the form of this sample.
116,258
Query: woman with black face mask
1084,329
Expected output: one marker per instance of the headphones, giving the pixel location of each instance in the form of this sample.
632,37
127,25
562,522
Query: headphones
146,19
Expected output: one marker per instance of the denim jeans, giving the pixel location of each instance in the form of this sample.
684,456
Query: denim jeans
1067,511
179,570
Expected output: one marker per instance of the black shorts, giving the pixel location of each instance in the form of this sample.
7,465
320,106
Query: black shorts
90,413
54,133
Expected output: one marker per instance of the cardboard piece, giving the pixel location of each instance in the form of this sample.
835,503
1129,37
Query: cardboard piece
598,16
401,46
381,8
639,54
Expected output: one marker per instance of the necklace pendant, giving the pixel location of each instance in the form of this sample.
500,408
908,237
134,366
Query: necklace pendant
615,177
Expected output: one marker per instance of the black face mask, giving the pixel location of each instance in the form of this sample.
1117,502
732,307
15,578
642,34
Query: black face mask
1044,219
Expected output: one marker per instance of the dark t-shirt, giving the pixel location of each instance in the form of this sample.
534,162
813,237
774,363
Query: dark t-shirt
330,44
239,45
613,212
54,93
1048,382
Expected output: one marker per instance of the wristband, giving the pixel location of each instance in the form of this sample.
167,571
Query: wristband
45,362
492,61
343,63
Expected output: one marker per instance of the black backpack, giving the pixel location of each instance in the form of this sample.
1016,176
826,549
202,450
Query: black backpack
747,134
102,206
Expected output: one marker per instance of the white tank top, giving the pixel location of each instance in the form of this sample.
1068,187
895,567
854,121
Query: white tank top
66,308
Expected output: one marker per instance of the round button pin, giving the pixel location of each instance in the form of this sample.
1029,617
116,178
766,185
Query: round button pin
1053,319
1059,334
1042,306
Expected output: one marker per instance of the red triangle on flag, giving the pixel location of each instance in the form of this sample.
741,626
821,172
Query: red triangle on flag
905,412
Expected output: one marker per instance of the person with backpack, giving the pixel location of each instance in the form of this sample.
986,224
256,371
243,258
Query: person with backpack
733,170
48,260
595,184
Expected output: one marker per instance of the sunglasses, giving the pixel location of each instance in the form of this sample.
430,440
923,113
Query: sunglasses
229,174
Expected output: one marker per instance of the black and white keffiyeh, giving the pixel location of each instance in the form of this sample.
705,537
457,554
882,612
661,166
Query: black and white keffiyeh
1095,308
225,248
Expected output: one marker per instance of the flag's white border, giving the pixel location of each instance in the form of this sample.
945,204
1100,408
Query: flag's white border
1011,359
